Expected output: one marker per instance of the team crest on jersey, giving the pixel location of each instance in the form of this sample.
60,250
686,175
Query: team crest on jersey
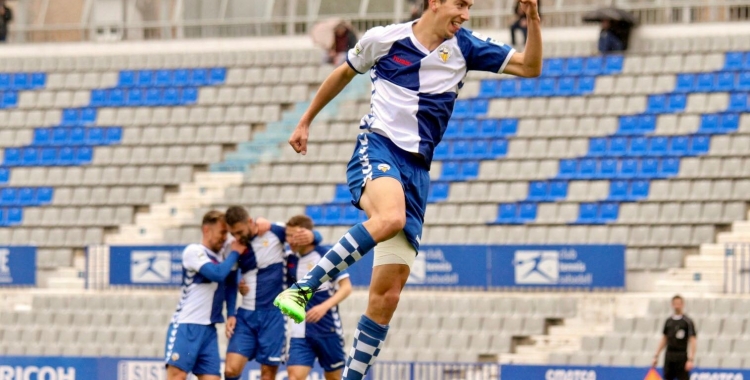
265,242
384,167
357,48
175,357
444,53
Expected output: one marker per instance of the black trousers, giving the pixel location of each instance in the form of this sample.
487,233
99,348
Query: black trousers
674,367
517,26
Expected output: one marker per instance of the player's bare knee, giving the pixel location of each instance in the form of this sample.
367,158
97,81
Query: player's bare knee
385,302
387,225
232,371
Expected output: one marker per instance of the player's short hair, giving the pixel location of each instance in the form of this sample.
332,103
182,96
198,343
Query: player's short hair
212,217
678,297
303,221
426,4
236,214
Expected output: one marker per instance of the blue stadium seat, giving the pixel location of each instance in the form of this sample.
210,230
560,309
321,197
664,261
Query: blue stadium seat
10,99
613,64
618,146
14,216
607,168
342,194
83,155
566,86
21,81
730,122
332,214
628,125
677,103
134,97
526,212
593,66
12,157
44,195
649,168
449,171
639,190
618,190
670,167
87,116
685,83
553,67
558,190
98,98
658,145
738,102
508,88
153,97
48,157
528,87
597,147
469,170
460,149
70,117
647,123
94,136
114,135
29,156
442,151
146,78
315,213
77,136
657,104
163,78
479,107
725,81
568,168
461,109
171,97
705,82
499,148
4,81
743,82
587,168
189,95
66,156
4,175
489,127
733,61
38,80
481,150
547,87
126,78
538,191
350,215
507,213
709,123
60,136
438,192
574,66
42,136
746,65
638,146
454,129
699,144
586,85
628,168
115,97
608,212
508,127
587,213
181,77
27,196
488,88
9,196
199,77
679,146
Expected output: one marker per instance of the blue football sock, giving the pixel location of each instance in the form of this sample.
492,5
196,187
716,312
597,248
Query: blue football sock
352,246
368,341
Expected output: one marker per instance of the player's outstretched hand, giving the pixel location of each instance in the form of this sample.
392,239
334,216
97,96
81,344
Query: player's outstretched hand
530,8
315,314
244,288
238,247
298,141
301,237
231,323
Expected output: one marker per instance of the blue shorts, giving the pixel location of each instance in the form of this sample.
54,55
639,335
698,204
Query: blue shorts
377,156
328,349
260,335
193,349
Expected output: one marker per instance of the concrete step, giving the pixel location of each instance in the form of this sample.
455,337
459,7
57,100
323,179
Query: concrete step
689,287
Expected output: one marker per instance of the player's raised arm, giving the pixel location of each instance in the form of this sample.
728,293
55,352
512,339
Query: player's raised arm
529,63
219,272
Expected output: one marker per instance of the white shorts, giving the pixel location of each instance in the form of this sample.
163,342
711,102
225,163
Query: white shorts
396,250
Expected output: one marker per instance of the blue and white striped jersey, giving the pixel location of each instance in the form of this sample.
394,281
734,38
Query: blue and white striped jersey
202,300
414,89
265,271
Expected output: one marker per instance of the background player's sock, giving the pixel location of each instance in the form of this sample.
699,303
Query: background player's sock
352,246
368,340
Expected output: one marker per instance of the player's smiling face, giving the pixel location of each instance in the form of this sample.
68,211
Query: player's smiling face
217,235
243,231
451,14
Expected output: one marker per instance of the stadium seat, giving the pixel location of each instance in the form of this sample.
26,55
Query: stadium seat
699,144
638,146
669,167
528,87
657,146
607,168
507,88
618,146
613,64
593,66
734,61
499,148
127,78
438,192
574,66
470,128
508,127
489,128
598,147
685,83
738,102
553,67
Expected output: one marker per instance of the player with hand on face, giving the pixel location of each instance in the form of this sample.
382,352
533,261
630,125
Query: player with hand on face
260,330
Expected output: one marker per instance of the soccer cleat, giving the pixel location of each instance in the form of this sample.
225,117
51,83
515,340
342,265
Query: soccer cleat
292,302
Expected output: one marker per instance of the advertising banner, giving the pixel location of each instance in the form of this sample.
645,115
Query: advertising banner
533,372
17,266
146,265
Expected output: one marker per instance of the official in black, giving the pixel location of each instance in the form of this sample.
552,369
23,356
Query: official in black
680,340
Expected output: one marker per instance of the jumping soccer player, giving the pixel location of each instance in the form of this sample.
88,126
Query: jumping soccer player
260,329
192,344
320,336
417,69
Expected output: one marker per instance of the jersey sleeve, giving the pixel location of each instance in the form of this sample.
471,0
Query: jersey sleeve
279,230
665,330
193,258
367,51
484,53
340,276
691,329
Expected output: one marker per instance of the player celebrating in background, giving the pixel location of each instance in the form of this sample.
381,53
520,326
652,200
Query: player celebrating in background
320,336
416,70
192,344
260,331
